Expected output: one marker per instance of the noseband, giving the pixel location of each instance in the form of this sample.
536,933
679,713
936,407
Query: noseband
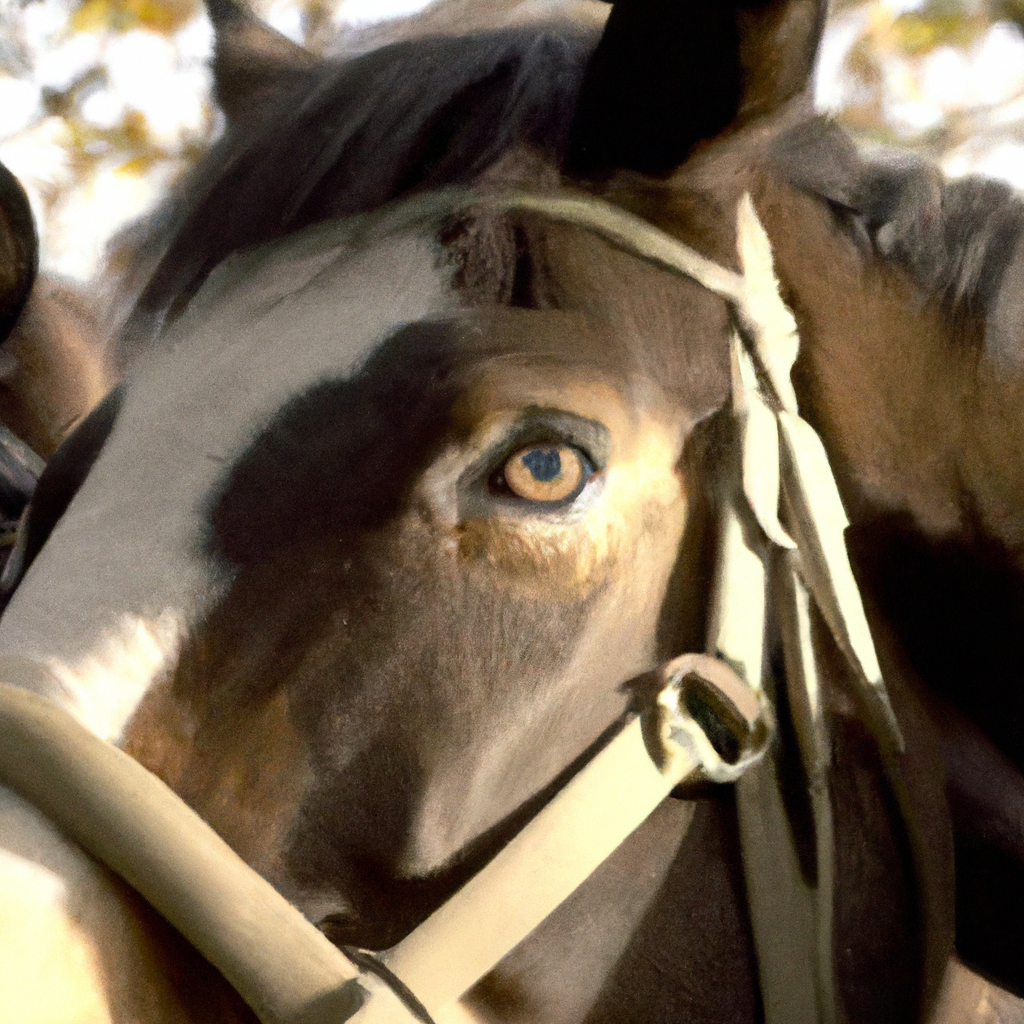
780,533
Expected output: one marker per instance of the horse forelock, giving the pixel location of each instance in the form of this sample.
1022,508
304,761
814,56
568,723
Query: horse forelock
350,136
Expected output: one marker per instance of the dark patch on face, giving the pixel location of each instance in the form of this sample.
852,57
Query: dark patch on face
334,463
399,655
340,459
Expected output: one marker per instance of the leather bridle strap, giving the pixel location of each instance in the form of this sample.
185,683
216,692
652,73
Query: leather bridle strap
580,828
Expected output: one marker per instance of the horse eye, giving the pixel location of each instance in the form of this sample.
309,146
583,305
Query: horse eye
546,473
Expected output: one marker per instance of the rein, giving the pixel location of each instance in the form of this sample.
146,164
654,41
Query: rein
781,534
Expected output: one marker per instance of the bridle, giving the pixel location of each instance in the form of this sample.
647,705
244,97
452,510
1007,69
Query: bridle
780,533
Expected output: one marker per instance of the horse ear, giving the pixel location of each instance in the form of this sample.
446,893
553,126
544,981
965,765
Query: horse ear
251,62
19,250
668,74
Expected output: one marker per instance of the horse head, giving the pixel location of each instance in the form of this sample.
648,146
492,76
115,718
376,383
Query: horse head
410,489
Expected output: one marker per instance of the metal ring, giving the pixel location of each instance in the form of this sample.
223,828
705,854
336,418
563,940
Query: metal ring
707,711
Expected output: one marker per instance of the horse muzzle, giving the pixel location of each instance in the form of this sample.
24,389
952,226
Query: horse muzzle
707,720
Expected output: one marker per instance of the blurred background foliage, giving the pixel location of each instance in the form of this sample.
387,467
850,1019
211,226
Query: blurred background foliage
103,103
942,77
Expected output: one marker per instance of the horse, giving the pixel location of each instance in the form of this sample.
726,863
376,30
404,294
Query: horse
410,488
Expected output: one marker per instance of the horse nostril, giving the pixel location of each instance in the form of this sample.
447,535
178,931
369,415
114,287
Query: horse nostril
389,918
341,929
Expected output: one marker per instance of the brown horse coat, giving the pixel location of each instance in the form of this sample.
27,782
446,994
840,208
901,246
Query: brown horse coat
364,653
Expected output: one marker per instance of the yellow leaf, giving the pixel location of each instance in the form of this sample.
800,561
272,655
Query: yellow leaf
164,16
137,166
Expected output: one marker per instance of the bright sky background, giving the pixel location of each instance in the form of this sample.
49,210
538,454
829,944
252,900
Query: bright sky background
98,116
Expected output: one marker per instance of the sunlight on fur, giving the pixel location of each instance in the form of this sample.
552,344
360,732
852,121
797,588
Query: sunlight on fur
108,684
48,970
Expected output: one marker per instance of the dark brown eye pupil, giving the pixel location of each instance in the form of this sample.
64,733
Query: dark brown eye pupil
544,463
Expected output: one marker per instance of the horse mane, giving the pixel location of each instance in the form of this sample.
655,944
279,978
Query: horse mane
956,238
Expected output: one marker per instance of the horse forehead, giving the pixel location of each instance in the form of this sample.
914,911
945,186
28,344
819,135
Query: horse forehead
265,328
268,325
